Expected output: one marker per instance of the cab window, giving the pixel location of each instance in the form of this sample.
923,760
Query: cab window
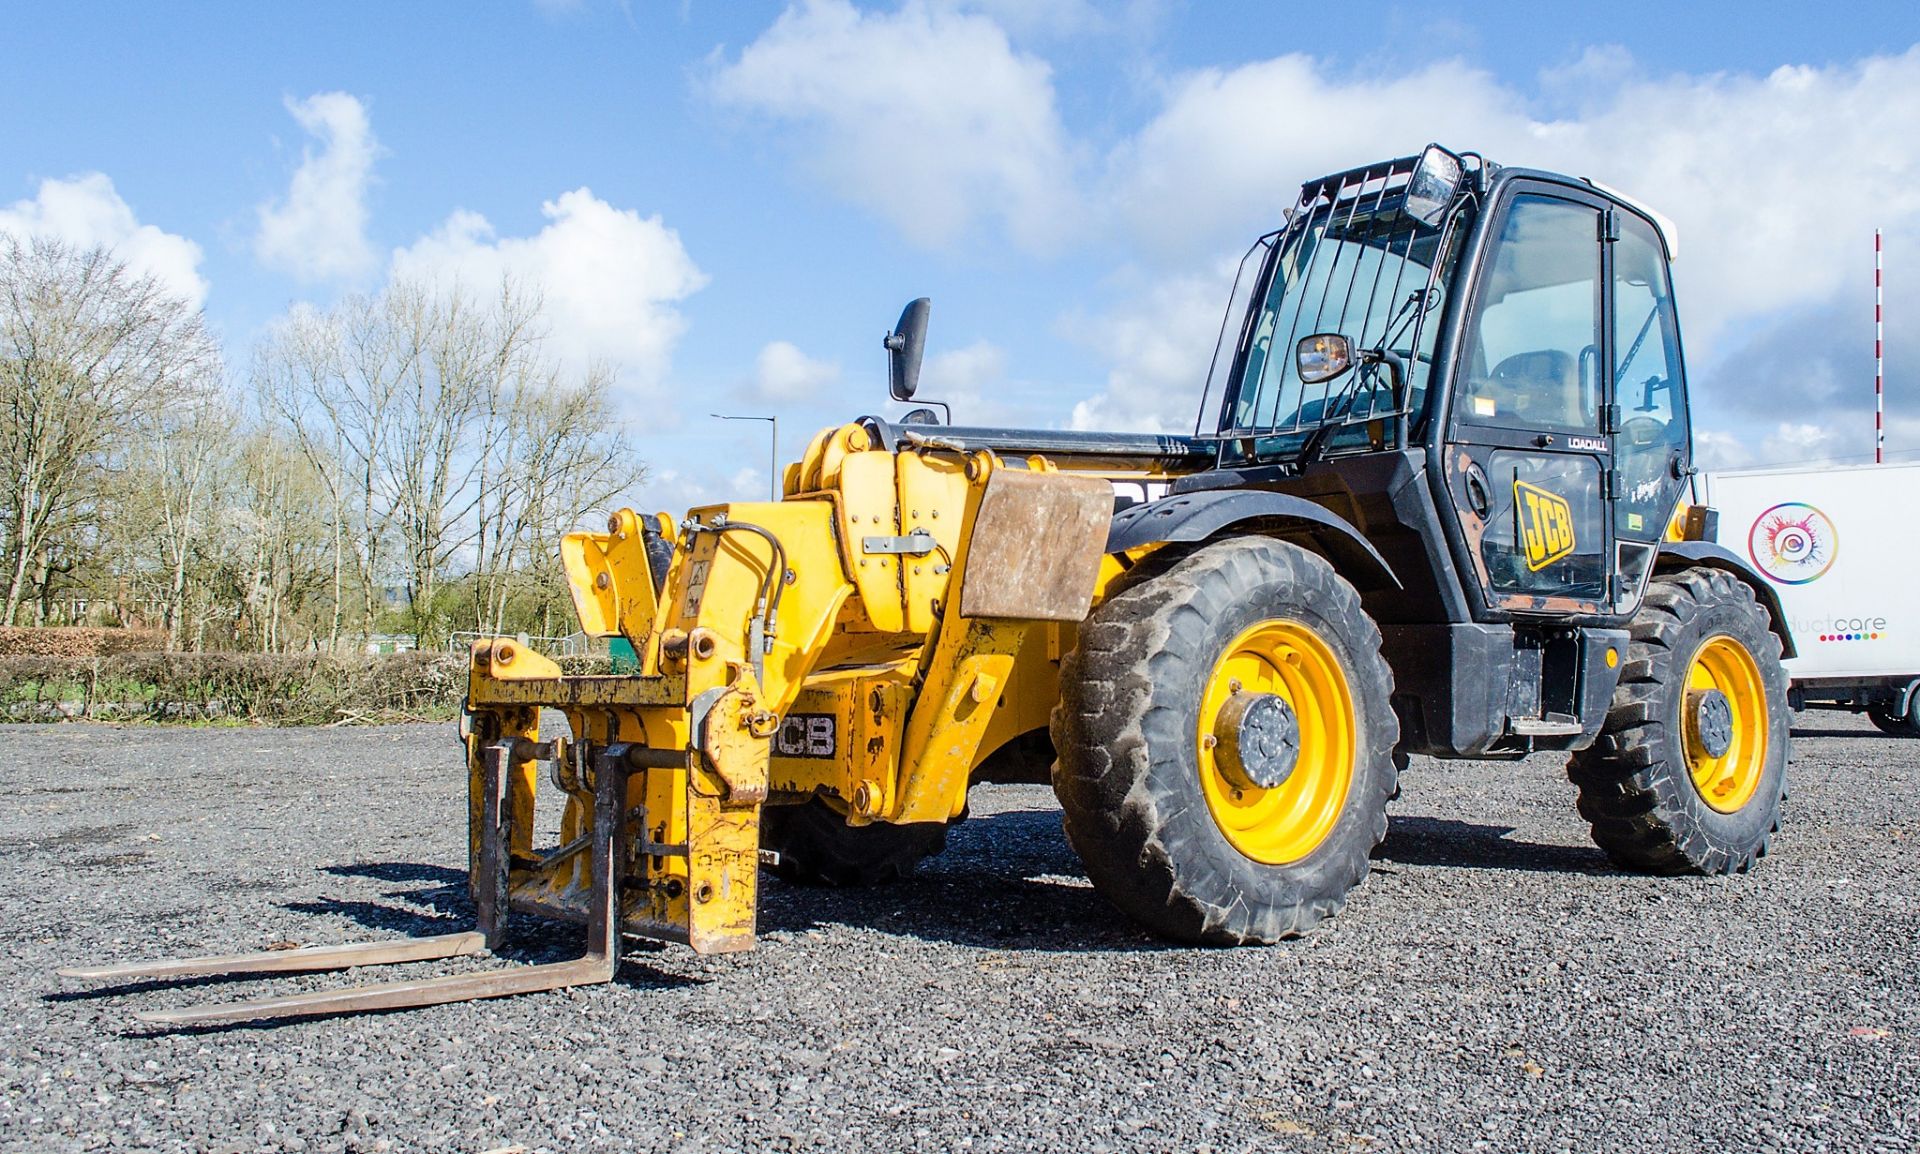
1534,338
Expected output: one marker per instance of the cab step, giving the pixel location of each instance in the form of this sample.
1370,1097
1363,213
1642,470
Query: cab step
1552,725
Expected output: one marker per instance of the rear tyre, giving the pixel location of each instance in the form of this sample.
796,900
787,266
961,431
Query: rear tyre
1689,772
1226,748
818,847
1898,724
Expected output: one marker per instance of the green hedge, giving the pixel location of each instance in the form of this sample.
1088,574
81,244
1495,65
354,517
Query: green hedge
274,689
76,641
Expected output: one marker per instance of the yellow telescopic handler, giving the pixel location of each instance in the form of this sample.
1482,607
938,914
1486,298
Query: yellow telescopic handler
1436,508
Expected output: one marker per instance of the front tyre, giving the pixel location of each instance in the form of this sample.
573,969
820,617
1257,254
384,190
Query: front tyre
1689,772
1226,746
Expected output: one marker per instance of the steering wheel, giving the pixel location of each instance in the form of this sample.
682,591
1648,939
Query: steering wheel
1643,432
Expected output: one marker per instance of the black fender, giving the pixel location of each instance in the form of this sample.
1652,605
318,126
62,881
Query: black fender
1687,554
1198,516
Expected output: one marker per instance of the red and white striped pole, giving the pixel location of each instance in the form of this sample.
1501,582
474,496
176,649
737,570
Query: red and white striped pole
1879,361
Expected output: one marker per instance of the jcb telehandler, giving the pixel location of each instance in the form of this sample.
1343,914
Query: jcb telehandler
1436,511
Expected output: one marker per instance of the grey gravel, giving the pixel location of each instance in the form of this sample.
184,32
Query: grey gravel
1494,985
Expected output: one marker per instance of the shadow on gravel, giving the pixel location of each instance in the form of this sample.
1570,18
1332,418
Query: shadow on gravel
447,906
1798,731
400,871
97,993
1436,841
1006,881
397,920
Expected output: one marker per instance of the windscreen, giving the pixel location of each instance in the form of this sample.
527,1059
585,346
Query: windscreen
1352,262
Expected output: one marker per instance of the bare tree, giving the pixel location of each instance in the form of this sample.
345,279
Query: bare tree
451,450
329,381
279,549
449,425
87,352
188,444
564,455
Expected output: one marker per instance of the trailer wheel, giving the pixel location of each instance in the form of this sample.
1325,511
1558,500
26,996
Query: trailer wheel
818,847
1226,747
1689,772
1898,724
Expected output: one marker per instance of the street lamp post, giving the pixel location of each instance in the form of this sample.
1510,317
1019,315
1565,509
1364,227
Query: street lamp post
773,449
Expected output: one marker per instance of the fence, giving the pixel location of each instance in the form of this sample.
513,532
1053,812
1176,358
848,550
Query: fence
572,645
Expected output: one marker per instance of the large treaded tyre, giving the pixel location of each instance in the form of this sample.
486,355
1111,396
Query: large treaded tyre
818,847
1640,782
1129,731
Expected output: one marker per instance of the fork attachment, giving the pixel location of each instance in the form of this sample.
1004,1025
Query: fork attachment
608,844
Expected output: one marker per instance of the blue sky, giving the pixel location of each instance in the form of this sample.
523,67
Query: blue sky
733,201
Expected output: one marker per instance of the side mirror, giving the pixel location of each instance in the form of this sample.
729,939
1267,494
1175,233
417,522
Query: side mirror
1322,357
904,345
1435,182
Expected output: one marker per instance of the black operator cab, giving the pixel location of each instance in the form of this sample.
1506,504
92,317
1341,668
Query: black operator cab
1515,328
1470,376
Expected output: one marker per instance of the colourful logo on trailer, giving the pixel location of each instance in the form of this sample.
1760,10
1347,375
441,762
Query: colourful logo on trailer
1793,543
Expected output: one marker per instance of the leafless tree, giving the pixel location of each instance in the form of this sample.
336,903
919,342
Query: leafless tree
565,455
449,424
328,382
88,352
453,450
278,547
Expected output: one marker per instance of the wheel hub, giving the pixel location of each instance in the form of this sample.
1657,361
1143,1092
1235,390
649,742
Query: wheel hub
1259,739
1711,716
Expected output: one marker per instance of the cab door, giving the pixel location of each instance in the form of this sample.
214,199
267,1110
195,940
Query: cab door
1528,453
1652,448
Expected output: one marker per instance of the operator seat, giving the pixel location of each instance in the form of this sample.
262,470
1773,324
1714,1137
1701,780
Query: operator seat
1541,388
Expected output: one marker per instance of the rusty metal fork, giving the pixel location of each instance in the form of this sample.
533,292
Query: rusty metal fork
598,964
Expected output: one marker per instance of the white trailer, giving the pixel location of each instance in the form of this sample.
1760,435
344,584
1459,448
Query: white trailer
1838,547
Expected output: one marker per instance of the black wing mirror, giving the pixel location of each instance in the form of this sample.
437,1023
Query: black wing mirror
905,344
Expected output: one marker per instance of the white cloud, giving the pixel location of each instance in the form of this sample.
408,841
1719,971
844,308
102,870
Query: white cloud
927,116
1043,18
611,278
86,212
1229,147
1157,344
319,230
1741,163
972,381
1714,450
1802,441
964,370
1776,183
782,373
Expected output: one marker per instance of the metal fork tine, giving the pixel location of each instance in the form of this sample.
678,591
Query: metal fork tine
396,995
601,962
289,961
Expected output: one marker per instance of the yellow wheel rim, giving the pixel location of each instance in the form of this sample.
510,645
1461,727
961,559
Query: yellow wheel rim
1289,821
1728,781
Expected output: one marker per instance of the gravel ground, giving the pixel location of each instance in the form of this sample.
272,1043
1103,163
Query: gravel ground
1493,986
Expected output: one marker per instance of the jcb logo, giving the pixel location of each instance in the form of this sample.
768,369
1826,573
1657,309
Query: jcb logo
1546,525
806,735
